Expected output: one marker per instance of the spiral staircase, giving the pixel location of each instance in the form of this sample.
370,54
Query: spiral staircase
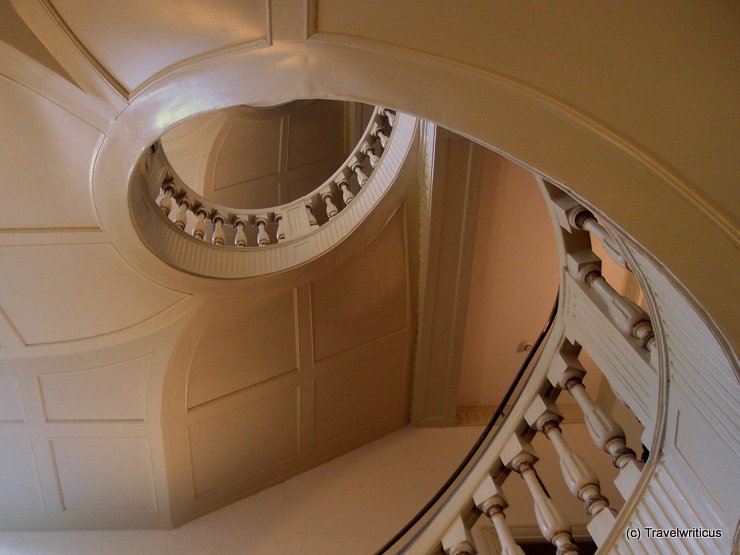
164,353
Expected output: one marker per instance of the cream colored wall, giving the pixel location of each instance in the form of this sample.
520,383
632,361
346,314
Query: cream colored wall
352,504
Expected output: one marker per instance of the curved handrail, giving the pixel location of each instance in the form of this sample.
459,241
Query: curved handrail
484,434
224,226
379,196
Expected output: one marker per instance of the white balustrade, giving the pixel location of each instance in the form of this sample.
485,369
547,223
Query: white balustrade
240,239
368,151
331,209
356,166
280,232
343,183
199,230
161,177
519,456
166,203
262,238
585,220
567,373
181,220
581,480
218,237
490,499
377,131
627,316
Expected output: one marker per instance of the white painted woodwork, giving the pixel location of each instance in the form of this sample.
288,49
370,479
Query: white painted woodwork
99,277
19,482
490,499
224,358
48,145
218,237
88,480
451,182
106,393
520,457
11,403
238,443
661,188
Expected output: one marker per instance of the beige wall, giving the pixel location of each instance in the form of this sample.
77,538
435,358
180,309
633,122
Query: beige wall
514,279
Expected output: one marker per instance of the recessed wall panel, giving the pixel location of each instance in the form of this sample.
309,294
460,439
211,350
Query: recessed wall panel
19,483
116,392
11,404
244,343
355,392
105,473
364,299
240,442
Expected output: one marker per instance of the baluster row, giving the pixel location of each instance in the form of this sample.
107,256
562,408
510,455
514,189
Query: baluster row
585,266
359,166
518,456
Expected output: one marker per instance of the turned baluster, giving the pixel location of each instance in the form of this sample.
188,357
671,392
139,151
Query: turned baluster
567,373
390,115
581,480
629,318
582,218
377,131
280,233
356,166
181,220
489,498
519,455
240,239
368,151
199,230
331,209
457,539
311,217
168,189
262,238
343,183
218,237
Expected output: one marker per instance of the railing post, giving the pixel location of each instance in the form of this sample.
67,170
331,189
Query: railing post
377,131
519,456
457,539
331,209
567,373
181,220
489,498
581,480
342,181
356,166
240,239
262,238
368,151
280,233
218,237
629,318
168,189
199,230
